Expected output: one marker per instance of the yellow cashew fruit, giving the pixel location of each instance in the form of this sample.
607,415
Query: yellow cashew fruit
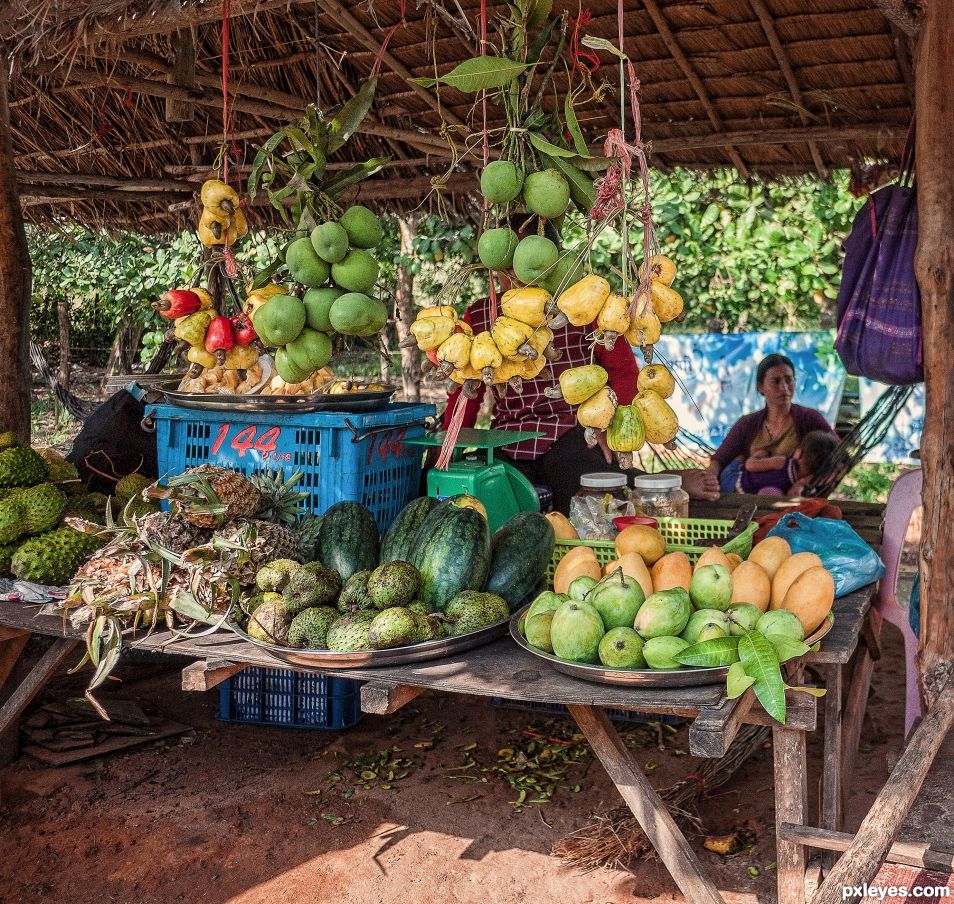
583,300
577,384
240,357
598,410
626,432
509,334
219,197
443,310
213,228
527,304
667,302
614,315
198,355
455,351
644,329
485,356
661,268
537,343
205,296
257,297
659,420
192,328
658,379
430,332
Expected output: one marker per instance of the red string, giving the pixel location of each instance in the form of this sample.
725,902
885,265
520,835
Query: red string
581,58
379,58
227,112
492,286
453,431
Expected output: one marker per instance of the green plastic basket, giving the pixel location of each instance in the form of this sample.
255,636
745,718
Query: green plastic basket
680,535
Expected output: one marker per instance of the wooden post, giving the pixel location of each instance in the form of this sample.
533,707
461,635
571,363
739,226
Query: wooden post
63,324
934,265
183,74
404,296
15,284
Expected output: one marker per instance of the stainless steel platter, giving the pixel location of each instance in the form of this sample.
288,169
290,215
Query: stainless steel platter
687,677
369,659
317,401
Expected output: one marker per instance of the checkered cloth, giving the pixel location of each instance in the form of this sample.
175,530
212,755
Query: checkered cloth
533,411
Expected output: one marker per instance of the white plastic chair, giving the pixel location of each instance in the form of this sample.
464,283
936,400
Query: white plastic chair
904,498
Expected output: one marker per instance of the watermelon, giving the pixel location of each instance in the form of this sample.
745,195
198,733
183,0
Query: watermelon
398,542
348,539
452,553
521,552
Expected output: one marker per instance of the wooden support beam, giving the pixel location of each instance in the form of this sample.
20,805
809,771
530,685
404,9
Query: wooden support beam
383,699
648,808
203,676
42,672
341,16
832,790
879,828
781,136
761,10
791,805
908,853
902,52
934,266
183,75
40,195
10,650
672,45
901,15
7,633
15,284
33,177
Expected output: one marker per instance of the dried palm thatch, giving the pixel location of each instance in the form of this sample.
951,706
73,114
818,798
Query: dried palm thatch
111,124
614,839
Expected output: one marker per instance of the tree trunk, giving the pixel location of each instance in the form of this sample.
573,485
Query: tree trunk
15,285
63,321
934,265
410,357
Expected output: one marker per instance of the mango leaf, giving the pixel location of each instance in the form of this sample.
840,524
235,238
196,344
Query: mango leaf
261,158
719,651
760,662
582,192
596,43
590,164
477,74
353,175
814,691
546,147
573,126
737,682
786,647
351,115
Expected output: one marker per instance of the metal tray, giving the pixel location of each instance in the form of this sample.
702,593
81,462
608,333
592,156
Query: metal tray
369,659
317,401
686,677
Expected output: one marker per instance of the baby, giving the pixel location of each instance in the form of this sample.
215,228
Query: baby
787,475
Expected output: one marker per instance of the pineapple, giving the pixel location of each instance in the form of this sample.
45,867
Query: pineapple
208,496
172,533
280,502
245,546
307,532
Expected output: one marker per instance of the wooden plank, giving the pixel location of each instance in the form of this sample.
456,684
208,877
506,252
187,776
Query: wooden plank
791,800
908,853
713,730
801,713
10,633
865,854
203,676
34,682
648,808
381,699
10,650
831,805
932,818
850,613
853,719
110,745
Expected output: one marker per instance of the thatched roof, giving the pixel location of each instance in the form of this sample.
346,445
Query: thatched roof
767,86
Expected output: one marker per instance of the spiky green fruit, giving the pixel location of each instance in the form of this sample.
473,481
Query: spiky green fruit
54,557
309,628
349,632
132,485
20,466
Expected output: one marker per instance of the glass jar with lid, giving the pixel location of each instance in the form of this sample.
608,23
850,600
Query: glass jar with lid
660,496
600,498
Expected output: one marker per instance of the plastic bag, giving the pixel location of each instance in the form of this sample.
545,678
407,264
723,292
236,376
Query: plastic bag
851,561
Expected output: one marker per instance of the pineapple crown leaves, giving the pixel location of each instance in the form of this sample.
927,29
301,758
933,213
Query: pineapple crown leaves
281,502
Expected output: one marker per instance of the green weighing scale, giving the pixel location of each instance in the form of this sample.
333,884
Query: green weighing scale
474,471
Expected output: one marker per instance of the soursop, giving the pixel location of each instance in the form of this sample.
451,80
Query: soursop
275,575
309,628
393,584
60,470
270,622
54,557
132,485
43,507
397,627
470,611
349,632
354,595
20,466
311,585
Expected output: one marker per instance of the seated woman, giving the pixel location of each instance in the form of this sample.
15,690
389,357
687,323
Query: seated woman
775,431
786,475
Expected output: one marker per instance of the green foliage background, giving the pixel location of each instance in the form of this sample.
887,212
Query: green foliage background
756,255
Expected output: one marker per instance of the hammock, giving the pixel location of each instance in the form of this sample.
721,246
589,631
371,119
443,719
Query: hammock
77,407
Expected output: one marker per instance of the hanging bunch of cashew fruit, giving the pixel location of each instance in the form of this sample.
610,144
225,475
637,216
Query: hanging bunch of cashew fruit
517,347
222,221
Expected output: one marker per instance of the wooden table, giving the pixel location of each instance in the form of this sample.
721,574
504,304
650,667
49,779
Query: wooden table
503,669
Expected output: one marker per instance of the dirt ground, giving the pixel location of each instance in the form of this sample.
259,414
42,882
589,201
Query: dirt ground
248,815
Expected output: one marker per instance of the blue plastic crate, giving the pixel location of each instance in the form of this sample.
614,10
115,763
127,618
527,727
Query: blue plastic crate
281,697
359,457
558,709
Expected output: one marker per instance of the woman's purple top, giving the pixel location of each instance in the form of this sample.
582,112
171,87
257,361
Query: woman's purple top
738,443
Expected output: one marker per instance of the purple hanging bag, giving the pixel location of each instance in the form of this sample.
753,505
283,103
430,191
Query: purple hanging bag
879,303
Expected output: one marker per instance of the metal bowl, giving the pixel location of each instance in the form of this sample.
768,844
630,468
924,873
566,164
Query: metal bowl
685,677
369,659
317,401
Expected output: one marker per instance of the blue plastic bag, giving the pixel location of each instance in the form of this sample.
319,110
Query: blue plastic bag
851,561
